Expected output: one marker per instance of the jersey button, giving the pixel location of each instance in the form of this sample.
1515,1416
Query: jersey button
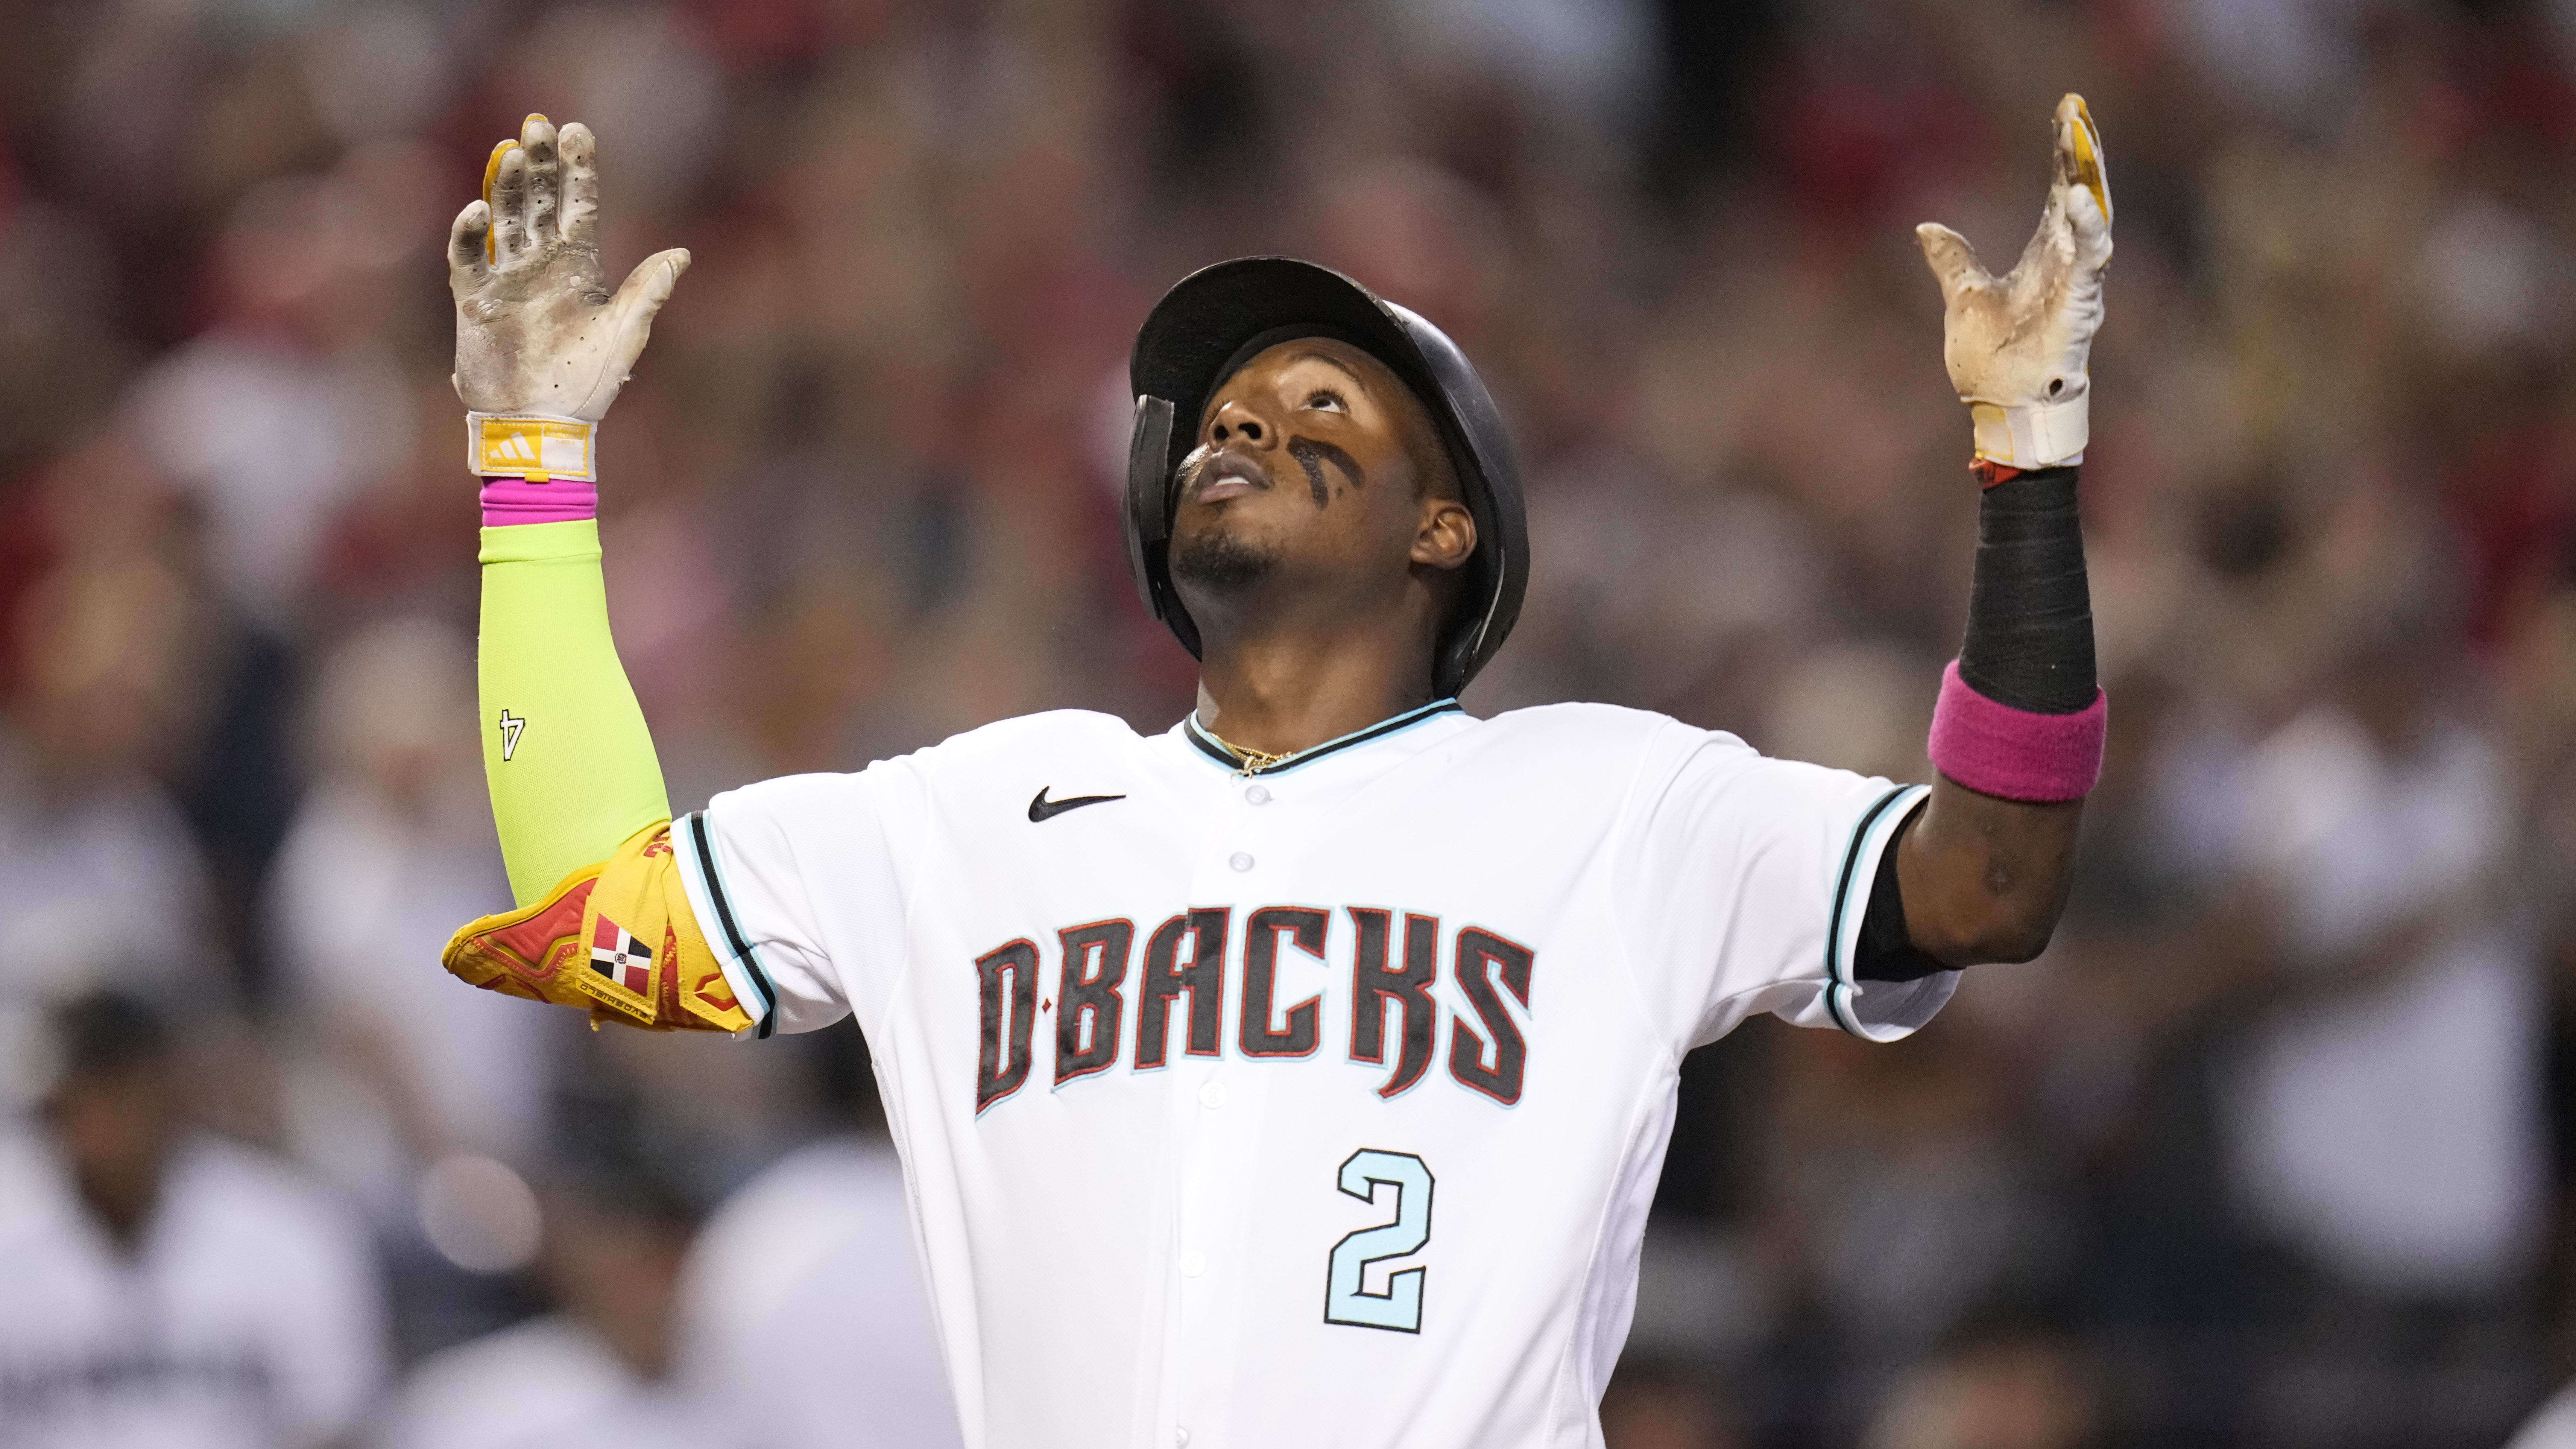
1193,1263
1181,1438
1258,794
1241,861
1212,1096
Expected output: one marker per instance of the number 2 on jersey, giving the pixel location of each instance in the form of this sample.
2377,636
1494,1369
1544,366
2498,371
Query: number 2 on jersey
1400,1306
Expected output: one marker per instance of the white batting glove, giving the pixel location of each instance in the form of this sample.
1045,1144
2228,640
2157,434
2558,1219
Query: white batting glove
2017,347
542,345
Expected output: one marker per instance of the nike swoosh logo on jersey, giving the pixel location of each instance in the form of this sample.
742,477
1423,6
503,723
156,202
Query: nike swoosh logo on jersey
1041,808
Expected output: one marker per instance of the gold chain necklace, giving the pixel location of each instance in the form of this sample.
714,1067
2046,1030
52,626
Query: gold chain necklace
1248,762
1254,762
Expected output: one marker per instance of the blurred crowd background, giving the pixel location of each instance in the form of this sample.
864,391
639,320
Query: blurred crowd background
2272,1147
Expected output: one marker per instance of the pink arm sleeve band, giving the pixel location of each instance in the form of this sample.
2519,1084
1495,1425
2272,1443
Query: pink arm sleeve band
2014,754
516,500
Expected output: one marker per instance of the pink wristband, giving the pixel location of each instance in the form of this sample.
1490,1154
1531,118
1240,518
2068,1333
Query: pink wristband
2015,754
518,500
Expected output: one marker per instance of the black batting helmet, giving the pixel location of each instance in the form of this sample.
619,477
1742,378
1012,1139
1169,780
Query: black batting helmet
1204,327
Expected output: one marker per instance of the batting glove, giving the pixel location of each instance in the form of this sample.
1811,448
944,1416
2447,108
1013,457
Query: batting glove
542,345
2017,346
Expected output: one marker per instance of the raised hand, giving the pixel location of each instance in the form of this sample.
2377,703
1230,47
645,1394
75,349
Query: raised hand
538,333
2017,346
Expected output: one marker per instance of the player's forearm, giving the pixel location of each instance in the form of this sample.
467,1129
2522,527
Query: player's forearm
2017,737
565,748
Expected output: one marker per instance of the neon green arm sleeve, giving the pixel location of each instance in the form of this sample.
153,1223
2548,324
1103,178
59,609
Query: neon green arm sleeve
565,749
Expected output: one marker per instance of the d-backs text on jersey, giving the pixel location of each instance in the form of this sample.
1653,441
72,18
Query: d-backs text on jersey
1187,956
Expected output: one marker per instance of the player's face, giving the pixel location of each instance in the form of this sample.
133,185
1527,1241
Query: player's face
1305,473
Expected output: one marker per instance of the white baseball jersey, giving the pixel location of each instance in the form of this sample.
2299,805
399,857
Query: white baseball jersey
1322,1106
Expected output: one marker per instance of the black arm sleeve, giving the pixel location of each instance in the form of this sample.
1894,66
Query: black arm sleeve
1886,953
2030,610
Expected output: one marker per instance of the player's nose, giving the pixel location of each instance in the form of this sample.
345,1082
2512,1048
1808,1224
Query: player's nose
1236,422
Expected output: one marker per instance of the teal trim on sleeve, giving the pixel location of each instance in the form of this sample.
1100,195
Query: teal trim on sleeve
702,876
1878,826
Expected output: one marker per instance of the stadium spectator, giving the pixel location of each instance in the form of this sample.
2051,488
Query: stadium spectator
160,1286
97,867
597,1372
391,843
2386,1122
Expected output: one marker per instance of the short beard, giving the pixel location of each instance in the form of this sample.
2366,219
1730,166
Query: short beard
1221,563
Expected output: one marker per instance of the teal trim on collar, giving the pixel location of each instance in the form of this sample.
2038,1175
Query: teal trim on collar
1209,745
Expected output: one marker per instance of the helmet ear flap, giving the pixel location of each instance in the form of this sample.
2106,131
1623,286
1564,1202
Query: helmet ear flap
1150,476
1149,486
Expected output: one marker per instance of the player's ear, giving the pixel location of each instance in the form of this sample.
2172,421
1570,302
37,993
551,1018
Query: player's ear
1446,535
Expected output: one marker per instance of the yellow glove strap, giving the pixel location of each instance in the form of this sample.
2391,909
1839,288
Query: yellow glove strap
535,446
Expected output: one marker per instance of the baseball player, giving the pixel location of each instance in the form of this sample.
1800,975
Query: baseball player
1299,1074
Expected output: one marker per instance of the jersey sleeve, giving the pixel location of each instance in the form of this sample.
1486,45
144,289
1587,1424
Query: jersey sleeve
797,888
1745,880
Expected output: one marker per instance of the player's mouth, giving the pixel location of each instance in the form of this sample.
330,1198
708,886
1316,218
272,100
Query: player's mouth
1228,475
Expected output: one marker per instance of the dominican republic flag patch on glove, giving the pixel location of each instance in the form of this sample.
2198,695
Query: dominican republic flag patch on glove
618,956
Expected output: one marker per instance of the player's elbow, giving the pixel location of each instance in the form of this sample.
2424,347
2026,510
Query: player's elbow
2006,933
1995,900
2015,942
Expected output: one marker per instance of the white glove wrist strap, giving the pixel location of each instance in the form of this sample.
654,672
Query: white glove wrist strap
535,446
2048,434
